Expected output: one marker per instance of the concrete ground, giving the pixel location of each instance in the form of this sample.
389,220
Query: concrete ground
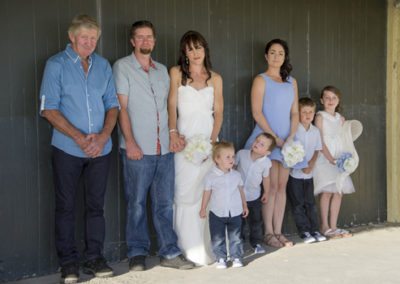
372,255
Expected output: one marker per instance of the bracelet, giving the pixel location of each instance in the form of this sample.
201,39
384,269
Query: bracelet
173,130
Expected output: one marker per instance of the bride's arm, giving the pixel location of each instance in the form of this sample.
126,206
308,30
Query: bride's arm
218,106
175,142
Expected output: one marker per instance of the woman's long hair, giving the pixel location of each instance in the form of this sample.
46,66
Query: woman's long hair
195,38
286,67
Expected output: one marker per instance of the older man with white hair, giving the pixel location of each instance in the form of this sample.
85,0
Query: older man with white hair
78,98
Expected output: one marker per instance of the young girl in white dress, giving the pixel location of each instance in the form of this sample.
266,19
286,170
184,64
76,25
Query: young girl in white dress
195,107
330,124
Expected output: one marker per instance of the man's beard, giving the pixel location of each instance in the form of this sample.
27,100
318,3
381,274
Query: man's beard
145,51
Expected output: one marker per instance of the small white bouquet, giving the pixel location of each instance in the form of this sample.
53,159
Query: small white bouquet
346,163
293,153
198,149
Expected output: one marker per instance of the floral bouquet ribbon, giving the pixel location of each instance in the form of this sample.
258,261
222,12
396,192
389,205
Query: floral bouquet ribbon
293,155
347,162
198,149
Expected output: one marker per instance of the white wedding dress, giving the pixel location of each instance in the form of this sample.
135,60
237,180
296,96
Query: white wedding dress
195,116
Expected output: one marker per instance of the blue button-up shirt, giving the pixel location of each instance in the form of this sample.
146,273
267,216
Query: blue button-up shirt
82,99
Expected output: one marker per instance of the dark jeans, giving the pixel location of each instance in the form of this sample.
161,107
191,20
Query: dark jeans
300,193
155,174
254,221
218,226
67,170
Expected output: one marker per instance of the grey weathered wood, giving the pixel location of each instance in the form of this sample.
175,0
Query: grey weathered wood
331,42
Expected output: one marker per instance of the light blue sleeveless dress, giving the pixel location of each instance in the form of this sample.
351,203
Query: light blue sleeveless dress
277,102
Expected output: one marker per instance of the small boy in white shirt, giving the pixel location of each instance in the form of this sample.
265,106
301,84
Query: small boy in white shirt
300,187
224,191
254,166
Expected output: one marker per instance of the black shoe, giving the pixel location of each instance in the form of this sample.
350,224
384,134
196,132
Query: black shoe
137,263
98,267
178,262
69,273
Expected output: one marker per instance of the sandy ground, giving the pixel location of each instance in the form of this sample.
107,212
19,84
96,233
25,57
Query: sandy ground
372,255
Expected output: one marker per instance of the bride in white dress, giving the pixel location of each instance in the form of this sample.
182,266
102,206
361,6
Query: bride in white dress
195,107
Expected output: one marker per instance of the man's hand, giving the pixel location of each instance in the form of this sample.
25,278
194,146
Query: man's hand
176,142
96,145
82,141
133,151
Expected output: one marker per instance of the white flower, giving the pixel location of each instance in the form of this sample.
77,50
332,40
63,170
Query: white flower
197,149
293,153
349,165
346,162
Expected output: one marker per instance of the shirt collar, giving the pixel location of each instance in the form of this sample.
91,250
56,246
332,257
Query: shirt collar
74,56
302,129
258,159
138,65
219,172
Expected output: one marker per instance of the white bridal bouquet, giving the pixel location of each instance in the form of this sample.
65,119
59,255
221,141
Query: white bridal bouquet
293,153
198,149
346,163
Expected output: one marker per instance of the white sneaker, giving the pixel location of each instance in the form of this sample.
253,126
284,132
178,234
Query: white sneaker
307,238
237,263
319,237
221,264
259,249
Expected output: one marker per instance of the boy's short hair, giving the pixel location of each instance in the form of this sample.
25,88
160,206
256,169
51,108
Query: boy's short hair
305,101
219,146
269,137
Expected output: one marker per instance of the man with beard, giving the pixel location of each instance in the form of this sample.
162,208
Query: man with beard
148,166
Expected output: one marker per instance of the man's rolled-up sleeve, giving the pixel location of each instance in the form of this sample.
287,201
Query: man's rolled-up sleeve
50,90
110,97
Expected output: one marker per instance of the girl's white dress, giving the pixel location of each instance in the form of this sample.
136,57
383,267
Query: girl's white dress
326,174
195,116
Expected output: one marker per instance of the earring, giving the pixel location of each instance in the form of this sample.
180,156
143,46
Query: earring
187,61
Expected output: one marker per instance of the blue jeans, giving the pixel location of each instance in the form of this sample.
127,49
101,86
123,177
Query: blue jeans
157,175
233,226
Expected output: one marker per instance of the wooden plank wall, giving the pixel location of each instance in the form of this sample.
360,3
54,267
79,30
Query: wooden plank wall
332,42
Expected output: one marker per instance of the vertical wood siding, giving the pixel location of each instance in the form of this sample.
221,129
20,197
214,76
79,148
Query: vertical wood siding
331,42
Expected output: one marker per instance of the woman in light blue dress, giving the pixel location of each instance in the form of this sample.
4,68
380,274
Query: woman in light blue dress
274,105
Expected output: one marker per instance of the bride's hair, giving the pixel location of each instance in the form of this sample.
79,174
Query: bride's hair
195,38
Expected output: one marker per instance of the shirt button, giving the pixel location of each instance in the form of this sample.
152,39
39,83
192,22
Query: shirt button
91,124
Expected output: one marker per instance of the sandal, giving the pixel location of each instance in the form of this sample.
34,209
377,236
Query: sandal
344,233
333,234
285,242
272,241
